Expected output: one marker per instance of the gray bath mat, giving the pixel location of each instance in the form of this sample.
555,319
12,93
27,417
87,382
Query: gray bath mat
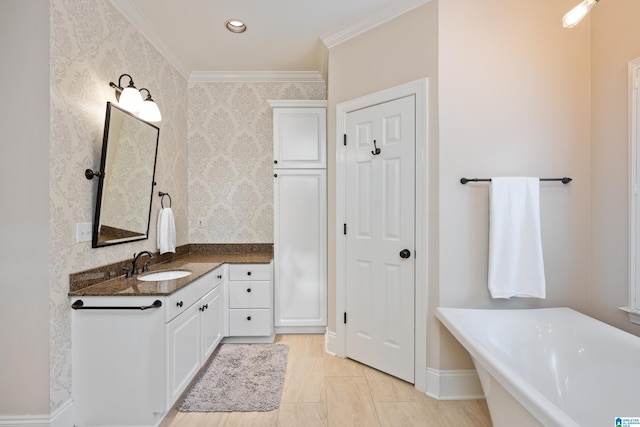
240,378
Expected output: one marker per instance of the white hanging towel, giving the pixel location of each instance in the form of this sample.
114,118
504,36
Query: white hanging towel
166,231
516,267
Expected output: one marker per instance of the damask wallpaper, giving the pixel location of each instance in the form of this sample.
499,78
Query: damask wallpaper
231,158
92,44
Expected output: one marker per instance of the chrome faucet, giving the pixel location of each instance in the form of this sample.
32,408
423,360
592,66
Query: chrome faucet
134,263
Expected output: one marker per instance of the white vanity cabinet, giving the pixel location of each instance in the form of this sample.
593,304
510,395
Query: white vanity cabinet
194,334
250,303
130,365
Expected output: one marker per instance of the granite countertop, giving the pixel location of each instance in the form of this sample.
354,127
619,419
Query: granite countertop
198,263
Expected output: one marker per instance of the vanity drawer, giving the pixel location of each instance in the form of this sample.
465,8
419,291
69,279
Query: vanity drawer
250,322
250,294
180,300
250,272
176,303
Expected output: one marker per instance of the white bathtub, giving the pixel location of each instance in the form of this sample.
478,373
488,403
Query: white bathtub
550,367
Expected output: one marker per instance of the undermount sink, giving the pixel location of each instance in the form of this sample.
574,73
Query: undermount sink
164,275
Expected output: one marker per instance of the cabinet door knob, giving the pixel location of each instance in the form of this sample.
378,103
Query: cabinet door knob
248,317
219,276
275,175
179,303
248,289
206,306
275,162
248,273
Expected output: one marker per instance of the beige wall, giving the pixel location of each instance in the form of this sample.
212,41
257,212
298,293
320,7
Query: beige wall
400,51
24,191
512,98
90,47
614,42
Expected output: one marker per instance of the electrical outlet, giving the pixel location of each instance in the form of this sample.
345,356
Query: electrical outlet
83,232
200,222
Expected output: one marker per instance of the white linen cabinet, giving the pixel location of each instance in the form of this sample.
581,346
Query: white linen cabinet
300,216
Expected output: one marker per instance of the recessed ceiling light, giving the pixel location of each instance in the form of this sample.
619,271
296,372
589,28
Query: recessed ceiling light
235,26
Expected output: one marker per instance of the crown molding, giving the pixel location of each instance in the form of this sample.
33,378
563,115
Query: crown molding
255,76
137,19
384,14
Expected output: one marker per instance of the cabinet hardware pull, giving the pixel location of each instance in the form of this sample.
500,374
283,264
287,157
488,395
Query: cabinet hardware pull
219,276
248,317
248,273
248,289
275,175
79,305
179,303
206,306
275,162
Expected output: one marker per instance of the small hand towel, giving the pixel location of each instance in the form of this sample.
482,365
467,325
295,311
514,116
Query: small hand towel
516,267
166,231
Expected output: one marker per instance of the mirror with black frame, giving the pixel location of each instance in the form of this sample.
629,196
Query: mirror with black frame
126,179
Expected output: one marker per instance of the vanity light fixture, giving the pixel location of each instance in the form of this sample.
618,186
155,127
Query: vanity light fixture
235,26
575,15
149,111
130,98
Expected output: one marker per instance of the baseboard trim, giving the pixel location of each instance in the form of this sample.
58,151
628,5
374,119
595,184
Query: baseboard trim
454,384
300,329
63,416
267,339
25,420
330,344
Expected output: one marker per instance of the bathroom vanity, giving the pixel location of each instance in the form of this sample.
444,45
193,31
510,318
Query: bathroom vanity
137,345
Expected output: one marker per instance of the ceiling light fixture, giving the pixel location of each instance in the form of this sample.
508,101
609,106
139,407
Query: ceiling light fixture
575,15
130,98
235,26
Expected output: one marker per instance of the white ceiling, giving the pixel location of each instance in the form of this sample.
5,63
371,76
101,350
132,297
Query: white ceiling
286,38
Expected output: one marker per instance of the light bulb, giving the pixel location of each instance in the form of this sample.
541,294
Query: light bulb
150,111
130,99
575,15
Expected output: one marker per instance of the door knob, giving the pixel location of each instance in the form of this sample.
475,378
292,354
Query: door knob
405,253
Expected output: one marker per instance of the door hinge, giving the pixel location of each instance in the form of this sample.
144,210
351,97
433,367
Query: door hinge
345,229
345,139
345,317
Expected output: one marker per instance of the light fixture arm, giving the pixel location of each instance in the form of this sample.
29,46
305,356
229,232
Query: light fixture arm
118,87
148,98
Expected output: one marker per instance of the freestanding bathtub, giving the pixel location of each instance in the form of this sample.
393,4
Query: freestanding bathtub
550,367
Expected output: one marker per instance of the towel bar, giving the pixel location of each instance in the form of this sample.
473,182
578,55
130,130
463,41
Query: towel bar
564,180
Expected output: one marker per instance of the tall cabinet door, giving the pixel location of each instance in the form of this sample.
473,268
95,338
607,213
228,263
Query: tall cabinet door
300,247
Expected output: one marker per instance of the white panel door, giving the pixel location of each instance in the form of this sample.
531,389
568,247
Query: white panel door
211,307
300,236
184,349
380,182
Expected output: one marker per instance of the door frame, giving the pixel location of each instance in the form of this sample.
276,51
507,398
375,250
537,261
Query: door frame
419,89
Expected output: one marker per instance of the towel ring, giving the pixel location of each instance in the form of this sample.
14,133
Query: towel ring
161,194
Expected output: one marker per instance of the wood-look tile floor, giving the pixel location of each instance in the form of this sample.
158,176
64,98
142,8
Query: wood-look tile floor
325,391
